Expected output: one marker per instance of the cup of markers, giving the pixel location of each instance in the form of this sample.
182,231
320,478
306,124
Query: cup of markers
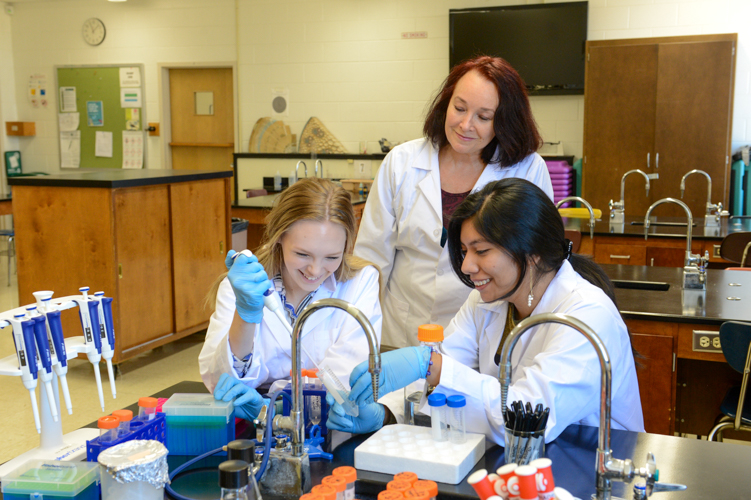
525,432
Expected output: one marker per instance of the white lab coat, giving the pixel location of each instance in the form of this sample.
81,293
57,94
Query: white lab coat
551,364
401,230
328,334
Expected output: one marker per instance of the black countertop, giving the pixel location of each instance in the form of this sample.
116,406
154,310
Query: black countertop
267,202
710,470
676,305
117,177
634,226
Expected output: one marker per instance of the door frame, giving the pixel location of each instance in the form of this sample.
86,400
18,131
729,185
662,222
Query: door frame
166,113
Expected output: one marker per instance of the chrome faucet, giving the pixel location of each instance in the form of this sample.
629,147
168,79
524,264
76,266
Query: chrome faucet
586,204
695,265
713,212
295,422
319,162
607,468
297,168
618,209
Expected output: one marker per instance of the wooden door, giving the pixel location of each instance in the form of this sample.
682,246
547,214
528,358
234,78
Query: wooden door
202,142
693,122
200,238
655,380
619,112
142,246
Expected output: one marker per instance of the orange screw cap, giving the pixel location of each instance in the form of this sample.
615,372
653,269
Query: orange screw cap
430,333
336,482
123,415
108,422
410,477
148,402
348,473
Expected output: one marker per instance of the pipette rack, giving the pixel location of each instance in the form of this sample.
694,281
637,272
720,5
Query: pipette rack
154,430
53,444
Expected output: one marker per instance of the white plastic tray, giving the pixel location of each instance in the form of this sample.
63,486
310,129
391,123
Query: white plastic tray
399,448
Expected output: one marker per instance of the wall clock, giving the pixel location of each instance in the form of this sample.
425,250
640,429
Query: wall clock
93,31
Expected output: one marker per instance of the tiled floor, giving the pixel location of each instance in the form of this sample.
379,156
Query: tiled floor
141,376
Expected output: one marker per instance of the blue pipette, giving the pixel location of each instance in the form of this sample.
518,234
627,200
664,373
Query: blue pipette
44,356
93,341
106,335
23,337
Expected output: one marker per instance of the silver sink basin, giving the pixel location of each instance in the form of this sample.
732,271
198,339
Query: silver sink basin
641,285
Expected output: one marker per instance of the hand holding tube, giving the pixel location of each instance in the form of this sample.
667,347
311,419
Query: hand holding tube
247,401
370,418
249,283
399,368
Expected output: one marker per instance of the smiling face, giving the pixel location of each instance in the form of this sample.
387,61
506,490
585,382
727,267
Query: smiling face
469,117
312,252
492,270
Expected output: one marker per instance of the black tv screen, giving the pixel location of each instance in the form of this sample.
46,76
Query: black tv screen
543,42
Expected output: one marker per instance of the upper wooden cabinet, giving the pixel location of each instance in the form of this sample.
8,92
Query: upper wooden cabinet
664,106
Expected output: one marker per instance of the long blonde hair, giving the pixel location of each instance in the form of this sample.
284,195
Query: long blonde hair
310,199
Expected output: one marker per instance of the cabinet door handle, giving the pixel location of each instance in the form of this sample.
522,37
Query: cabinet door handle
652,262
657,161
221,247
620,256
120,271
647,160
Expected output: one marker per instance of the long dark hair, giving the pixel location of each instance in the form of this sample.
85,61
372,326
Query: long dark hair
519,217
514,126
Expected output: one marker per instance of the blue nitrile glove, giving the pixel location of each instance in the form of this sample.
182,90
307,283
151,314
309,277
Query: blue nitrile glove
399,368
249,281
247,401
370,418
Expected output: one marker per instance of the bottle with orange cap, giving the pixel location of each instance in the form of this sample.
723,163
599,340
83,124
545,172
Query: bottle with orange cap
350,476
430,336
125,417
147,408
108,428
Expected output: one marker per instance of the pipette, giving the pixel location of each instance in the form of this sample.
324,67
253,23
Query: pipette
273,303
23,337
94,355
107,338
43,355
58,352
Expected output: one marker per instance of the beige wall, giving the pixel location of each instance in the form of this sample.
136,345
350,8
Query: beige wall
343,61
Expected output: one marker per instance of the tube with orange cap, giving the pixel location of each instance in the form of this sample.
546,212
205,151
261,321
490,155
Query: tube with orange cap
430,486
147,408
327,492
350,476
125,417
407,476
390,495
108,428
414,494
311,496
338,483
400,486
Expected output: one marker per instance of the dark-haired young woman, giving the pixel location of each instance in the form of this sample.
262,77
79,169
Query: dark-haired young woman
479,129
507,243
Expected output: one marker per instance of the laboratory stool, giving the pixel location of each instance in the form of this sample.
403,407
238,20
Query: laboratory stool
10,249
735,339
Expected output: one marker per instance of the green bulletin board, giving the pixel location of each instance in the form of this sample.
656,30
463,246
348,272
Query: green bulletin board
100,83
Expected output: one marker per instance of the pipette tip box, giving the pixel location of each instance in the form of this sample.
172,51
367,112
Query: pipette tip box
197,423
153,429
396,448
52,479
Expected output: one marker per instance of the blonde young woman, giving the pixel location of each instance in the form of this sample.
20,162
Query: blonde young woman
307,252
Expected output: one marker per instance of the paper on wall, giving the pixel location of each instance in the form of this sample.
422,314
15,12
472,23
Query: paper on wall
68,121
95,113
67,99
132,149
130,77
130,98
70,149
103,145
132,119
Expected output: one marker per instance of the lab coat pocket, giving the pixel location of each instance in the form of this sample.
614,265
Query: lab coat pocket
394,331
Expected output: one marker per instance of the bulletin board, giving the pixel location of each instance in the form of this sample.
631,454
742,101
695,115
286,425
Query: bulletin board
101,84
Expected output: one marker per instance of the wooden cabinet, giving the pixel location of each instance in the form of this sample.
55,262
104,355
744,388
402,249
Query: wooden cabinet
156,249
662,105
654,370
655,251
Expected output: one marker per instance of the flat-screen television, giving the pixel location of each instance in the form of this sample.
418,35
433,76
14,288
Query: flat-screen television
545,43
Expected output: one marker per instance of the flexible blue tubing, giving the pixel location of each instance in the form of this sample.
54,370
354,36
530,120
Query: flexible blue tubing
266,449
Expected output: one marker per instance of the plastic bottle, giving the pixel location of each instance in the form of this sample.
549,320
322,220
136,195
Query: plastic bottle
147,408
360,189
233,480
456,406
431,336
291,178
277,181
313,403
125,417
437,403
350,476
108,428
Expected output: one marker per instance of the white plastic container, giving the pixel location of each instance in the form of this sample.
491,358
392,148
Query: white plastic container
456,405
277,181
134,470
437,403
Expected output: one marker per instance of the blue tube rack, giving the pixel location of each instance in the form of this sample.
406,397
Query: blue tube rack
308,390
154,429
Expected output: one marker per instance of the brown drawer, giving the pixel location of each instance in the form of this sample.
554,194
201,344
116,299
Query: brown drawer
635,255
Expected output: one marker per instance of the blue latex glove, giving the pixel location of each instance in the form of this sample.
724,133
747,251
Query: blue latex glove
370,418
247,401
249,281
399,368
